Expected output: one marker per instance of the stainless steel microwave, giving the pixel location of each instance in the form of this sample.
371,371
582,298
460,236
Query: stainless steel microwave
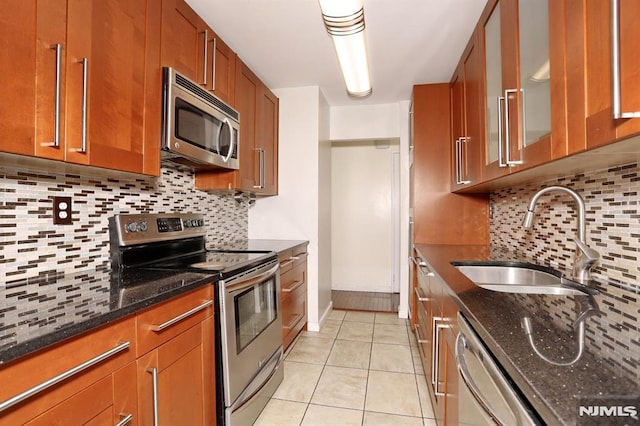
198,129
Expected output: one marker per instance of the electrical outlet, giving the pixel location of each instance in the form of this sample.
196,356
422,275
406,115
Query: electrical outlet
62,211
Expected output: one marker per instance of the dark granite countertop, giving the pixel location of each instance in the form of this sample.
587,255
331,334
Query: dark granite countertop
608,370
39,312
277,246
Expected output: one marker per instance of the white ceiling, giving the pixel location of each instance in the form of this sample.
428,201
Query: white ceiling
285,43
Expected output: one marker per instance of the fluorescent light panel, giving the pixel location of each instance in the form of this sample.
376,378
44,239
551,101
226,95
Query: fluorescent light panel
344,20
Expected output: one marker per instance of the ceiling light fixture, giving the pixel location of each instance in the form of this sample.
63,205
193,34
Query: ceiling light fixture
344,20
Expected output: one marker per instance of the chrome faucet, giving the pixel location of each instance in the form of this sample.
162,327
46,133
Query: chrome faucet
585,257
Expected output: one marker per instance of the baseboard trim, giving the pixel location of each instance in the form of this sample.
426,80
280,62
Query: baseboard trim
323,319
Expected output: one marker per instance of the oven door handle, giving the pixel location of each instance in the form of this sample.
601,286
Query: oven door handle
234,288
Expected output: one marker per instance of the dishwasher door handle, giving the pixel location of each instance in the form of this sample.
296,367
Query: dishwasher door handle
468,381
467,343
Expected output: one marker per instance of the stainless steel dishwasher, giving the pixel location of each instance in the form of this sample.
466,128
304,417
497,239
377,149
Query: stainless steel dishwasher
485,395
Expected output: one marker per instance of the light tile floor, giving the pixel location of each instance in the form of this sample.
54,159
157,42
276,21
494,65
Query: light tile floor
362,368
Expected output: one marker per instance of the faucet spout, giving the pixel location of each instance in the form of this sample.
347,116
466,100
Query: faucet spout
585,256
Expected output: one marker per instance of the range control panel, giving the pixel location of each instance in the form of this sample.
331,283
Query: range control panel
152,227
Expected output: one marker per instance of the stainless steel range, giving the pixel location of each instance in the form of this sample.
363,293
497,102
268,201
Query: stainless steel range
249,352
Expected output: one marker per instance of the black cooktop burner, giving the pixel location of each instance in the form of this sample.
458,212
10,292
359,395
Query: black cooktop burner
214,261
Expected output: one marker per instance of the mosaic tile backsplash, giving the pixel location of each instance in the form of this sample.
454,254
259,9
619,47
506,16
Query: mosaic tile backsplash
30,245
613,229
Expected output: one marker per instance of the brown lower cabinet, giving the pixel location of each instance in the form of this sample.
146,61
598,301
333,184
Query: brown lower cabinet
436,331
121,386
293,288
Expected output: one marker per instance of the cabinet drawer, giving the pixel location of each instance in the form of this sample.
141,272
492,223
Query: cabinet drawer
111,347
291,258
163,322
294,313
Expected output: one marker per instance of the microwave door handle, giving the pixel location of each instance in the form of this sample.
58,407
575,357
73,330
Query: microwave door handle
218,134
231,139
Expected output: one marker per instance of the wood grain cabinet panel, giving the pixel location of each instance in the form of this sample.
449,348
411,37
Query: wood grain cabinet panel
176,363
467,118
183,40
224,70
601,126
85,64
440,217
110,377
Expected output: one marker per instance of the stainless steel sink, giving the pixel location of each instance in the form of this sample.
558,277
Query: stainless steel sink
518,278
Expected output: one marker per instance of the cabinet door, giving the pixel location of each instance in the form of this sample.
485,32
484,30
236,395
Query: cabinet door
18,34
468,130
32,116
106,74
183,41
607,122
224,70
494,164
267,141
176,378
247,93
526,81
113,345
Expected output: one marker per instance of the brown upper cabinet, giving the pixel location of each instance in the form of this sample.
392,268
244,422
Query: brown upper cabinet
611,67
78,82
196,51
525,100
467,117
258,108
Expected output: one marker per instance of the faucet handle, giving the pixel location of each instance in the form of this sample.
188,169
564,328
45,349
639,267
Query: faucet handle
589,253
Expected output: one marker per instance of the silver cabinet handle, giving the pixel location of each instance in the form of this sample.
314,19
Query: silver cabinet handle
262,173
501,163
616,94
294,322
286,263
420,297
154,381
463,370
458,162
85,84
507,136
464,140
435,358
263,169
125,419
293,288
56,103
172,321
459,165
63,376
204,63
419,338
213,68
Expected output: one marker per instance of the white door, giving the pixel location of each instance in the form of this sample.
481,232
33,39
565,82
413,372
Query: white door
365,216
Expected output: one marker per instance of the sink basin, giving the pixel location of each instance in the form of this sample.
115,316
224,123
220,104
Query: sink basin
512,277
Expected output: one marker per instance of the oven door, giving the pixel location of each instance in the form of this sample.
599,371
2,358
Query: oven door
251,330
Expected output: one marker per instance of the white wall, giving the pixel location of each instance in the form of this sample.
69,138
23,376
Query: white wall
365,122
298,211
362,212
385,121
